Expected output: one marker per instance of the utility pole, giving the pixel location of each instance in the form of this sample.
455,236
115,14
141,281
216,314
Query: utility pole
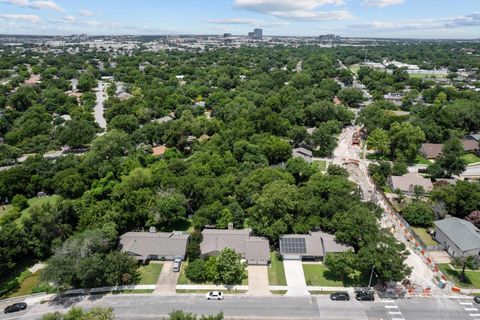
371,276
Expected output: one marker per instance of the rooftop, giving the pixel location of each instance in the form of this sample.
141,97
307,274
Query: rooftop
143,244
461,232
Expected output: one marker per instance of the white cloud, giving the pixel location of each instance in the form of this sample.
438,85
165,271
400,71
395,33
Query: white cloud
248,22
69,19
35,4
469,20
92,23
295,9
382,3
21,17
85,13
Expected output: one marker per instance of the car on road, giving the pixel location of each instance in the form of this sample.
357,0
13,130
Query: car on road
477,299
340,296
176,265
15,307
365,296
214,295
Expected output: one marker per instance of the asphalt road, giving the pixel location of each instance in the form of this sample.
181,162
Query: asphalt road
133,306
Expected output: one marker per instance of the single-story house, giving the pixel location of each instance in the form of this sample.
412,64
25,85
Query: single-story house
312,246
163,119
470,145
255,250
124,96
303,153
407,183
395,98
431,150
145,246
460,237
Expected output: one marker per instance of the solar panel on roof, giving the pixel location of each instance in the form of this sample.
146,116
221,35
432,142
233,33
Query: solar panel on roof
293,245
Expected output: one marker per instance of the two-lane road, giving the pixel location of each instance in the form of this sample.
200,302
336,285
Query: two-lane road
134,306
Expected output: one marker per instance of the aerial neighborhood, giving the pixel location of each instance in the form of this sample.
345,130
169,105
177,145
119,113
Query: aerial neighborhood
149,175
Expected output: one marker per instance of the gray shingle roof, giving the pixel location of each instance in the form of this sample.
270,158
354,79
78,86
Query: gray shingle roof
461,232
215,240
407,182
317,244
143,244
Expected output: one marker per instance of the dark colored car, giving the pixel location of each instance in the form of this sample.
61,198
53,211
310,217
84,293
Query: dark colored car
365,296
15,307
477,299
340,296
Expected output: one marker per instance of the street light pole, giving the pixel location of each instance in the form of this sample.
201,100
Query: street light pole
371,276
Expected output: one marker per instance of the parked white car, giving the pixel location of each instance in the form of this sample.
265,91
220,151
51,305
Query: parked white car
214,295
176,265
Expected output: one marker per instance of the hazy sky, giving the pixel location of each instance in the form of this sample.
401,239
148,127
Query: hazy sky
371,18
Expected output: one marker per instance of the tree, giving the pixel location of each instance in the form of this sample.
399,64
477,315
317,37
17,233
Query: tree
86,82
387,255
230,269
125,122
399,168
77,133
379,140
474,217
418,192
352,97
405,140
418,214
300,169
275,149
20,202
341,265
336,170
196,271
169,208
469,262
451,160
181,315
8,154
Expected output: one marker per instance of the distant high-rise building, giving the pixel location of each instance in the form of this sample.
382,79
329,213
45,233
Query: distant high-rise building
258,33
329,38
227,35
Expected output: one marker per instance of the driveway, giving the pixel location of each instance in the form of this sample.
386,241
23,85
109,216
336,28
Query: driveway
258,281
295,278
167,282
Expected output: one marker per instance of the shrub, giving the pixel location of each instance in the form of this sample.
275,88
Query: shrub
418,214
20,202
196,271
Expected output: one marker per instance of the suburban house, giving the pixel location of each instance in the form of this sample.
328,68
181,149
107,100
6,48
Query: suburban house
473,136
303,153
431,150
434,150
312,246
255,250
163,119
407,183
145,246
470,146
395,98
159,150
460,237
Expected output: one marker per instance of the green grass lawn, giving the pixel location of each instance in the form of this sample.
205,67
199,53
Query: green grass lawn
321,165
421,160
19,284
471,158
429,76
426,238
319,275
33,202
387,189
276,271
149,274
473,277
354,68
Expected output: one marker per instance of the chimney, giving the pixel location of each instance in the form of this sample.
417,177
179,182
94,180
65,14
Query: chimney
230,226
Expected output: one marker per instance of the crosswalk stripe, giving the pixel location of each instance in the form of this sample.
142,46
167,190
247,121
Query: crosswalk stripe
391,307
466,303
394,312
474,314
387,301
471,309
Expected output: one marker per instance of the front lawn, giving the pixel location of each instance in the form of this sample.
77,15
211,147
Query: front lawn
426,238
470,158
421,160
473,277
149,274
19,284
276,271
319,275
321,165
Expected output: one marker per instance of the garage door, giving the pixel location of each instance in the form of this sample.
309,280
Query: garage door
292,257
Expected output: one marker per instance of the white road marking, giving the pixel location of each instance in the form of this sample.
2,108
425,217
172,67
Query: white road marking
471,309
466,303
391,307
474,314
394,312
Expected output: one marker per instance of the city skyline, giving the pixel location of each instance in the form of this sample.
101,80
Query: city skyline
355,18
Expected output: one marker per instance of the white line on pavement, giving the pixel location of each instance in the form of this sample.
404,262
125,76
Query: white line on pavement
388,301
466,303
391,307
394,312
474,314
471,309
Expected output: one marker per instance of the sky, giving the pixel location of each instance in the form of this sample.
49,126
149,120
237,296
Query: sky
349,18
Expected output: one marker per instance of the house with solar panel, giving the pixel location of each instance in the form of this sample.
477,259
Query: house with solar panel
313,246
